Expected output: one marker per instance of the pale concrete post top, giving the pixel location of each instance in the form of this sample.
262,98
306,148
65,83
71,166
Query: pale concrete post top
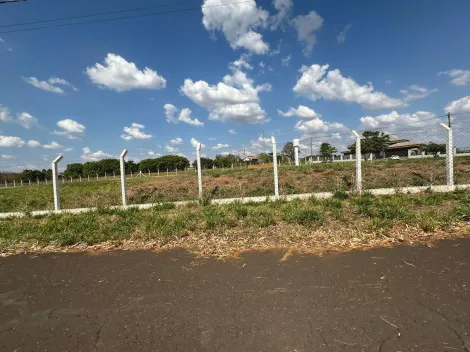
273,140
357,135
198,147
445,127
296,142
59,158
124,153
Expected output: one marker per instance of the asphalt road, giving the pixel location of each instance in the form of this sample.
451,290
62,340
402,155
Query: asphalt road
400,299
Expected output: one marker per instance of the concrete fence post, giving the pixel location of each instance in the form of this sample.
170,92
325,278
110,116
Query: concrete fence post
199,171
96,177
276,176
37,181
296,151
55,181
80,176
358,163
449,155
114,175
123,176
14,184
21,182
6,184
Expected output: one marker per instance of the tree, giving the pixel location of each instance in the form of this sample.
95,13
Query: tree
74,170
265,158
206,163
434,148
372,142
108,166
149,165
288,151
131,166
34,175
327,150
226,160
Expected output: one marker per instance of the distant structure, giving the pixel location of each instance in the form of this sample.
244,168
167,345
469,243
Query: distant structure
397,146
250,159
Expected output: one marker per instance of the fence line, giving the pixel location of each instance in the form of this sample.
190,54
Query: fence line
358,171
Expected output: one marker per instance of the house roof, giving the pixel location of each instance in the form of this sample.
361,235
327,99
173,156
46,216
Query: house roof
405,144
394,140
250,157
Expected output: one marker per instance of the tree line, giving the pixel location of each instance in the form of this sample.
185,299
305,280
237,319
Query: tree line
112,166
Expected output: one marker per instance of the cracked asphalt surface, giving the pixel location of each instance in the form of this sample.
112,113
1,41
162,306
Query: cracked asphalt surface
399,299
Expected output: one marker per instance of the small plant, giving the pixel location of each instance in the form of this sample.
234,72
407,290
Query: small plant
163,206
297,213
215,217
340,194
261,217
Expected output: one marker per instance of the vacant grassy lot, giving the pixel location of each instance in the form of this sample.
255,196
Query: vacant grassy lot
236,183
312,225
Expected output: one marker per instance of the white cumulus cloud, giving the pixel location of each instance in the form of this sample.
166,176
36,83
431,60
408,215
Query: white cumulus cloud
459,77
286,61
284,8
33,144
171,149
52,145
238,22
303,112
88,155
173,115
236,99
51,85
317,82
306,27
24,119
220,146
341,37
27,120
11,142
459,106
120,75
232,132
176,141
415,92
70,128
310,127
134,132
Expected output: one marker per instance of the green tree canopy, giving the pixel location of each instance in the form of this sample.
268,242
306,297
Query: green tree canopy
288,151
34,175
434,148
170,162
206,163
372,142
108,166
73,170
226,160
327,150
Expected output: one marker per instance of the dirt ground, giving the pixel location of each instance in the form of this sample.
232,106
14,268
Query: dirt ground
385,299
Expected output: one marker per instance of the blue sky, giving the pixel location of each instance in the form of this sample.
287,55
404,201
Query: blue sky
86,91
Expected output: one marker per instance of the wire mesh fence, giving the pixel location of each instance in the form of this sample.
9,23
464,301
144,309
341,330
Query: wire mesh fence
390,157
